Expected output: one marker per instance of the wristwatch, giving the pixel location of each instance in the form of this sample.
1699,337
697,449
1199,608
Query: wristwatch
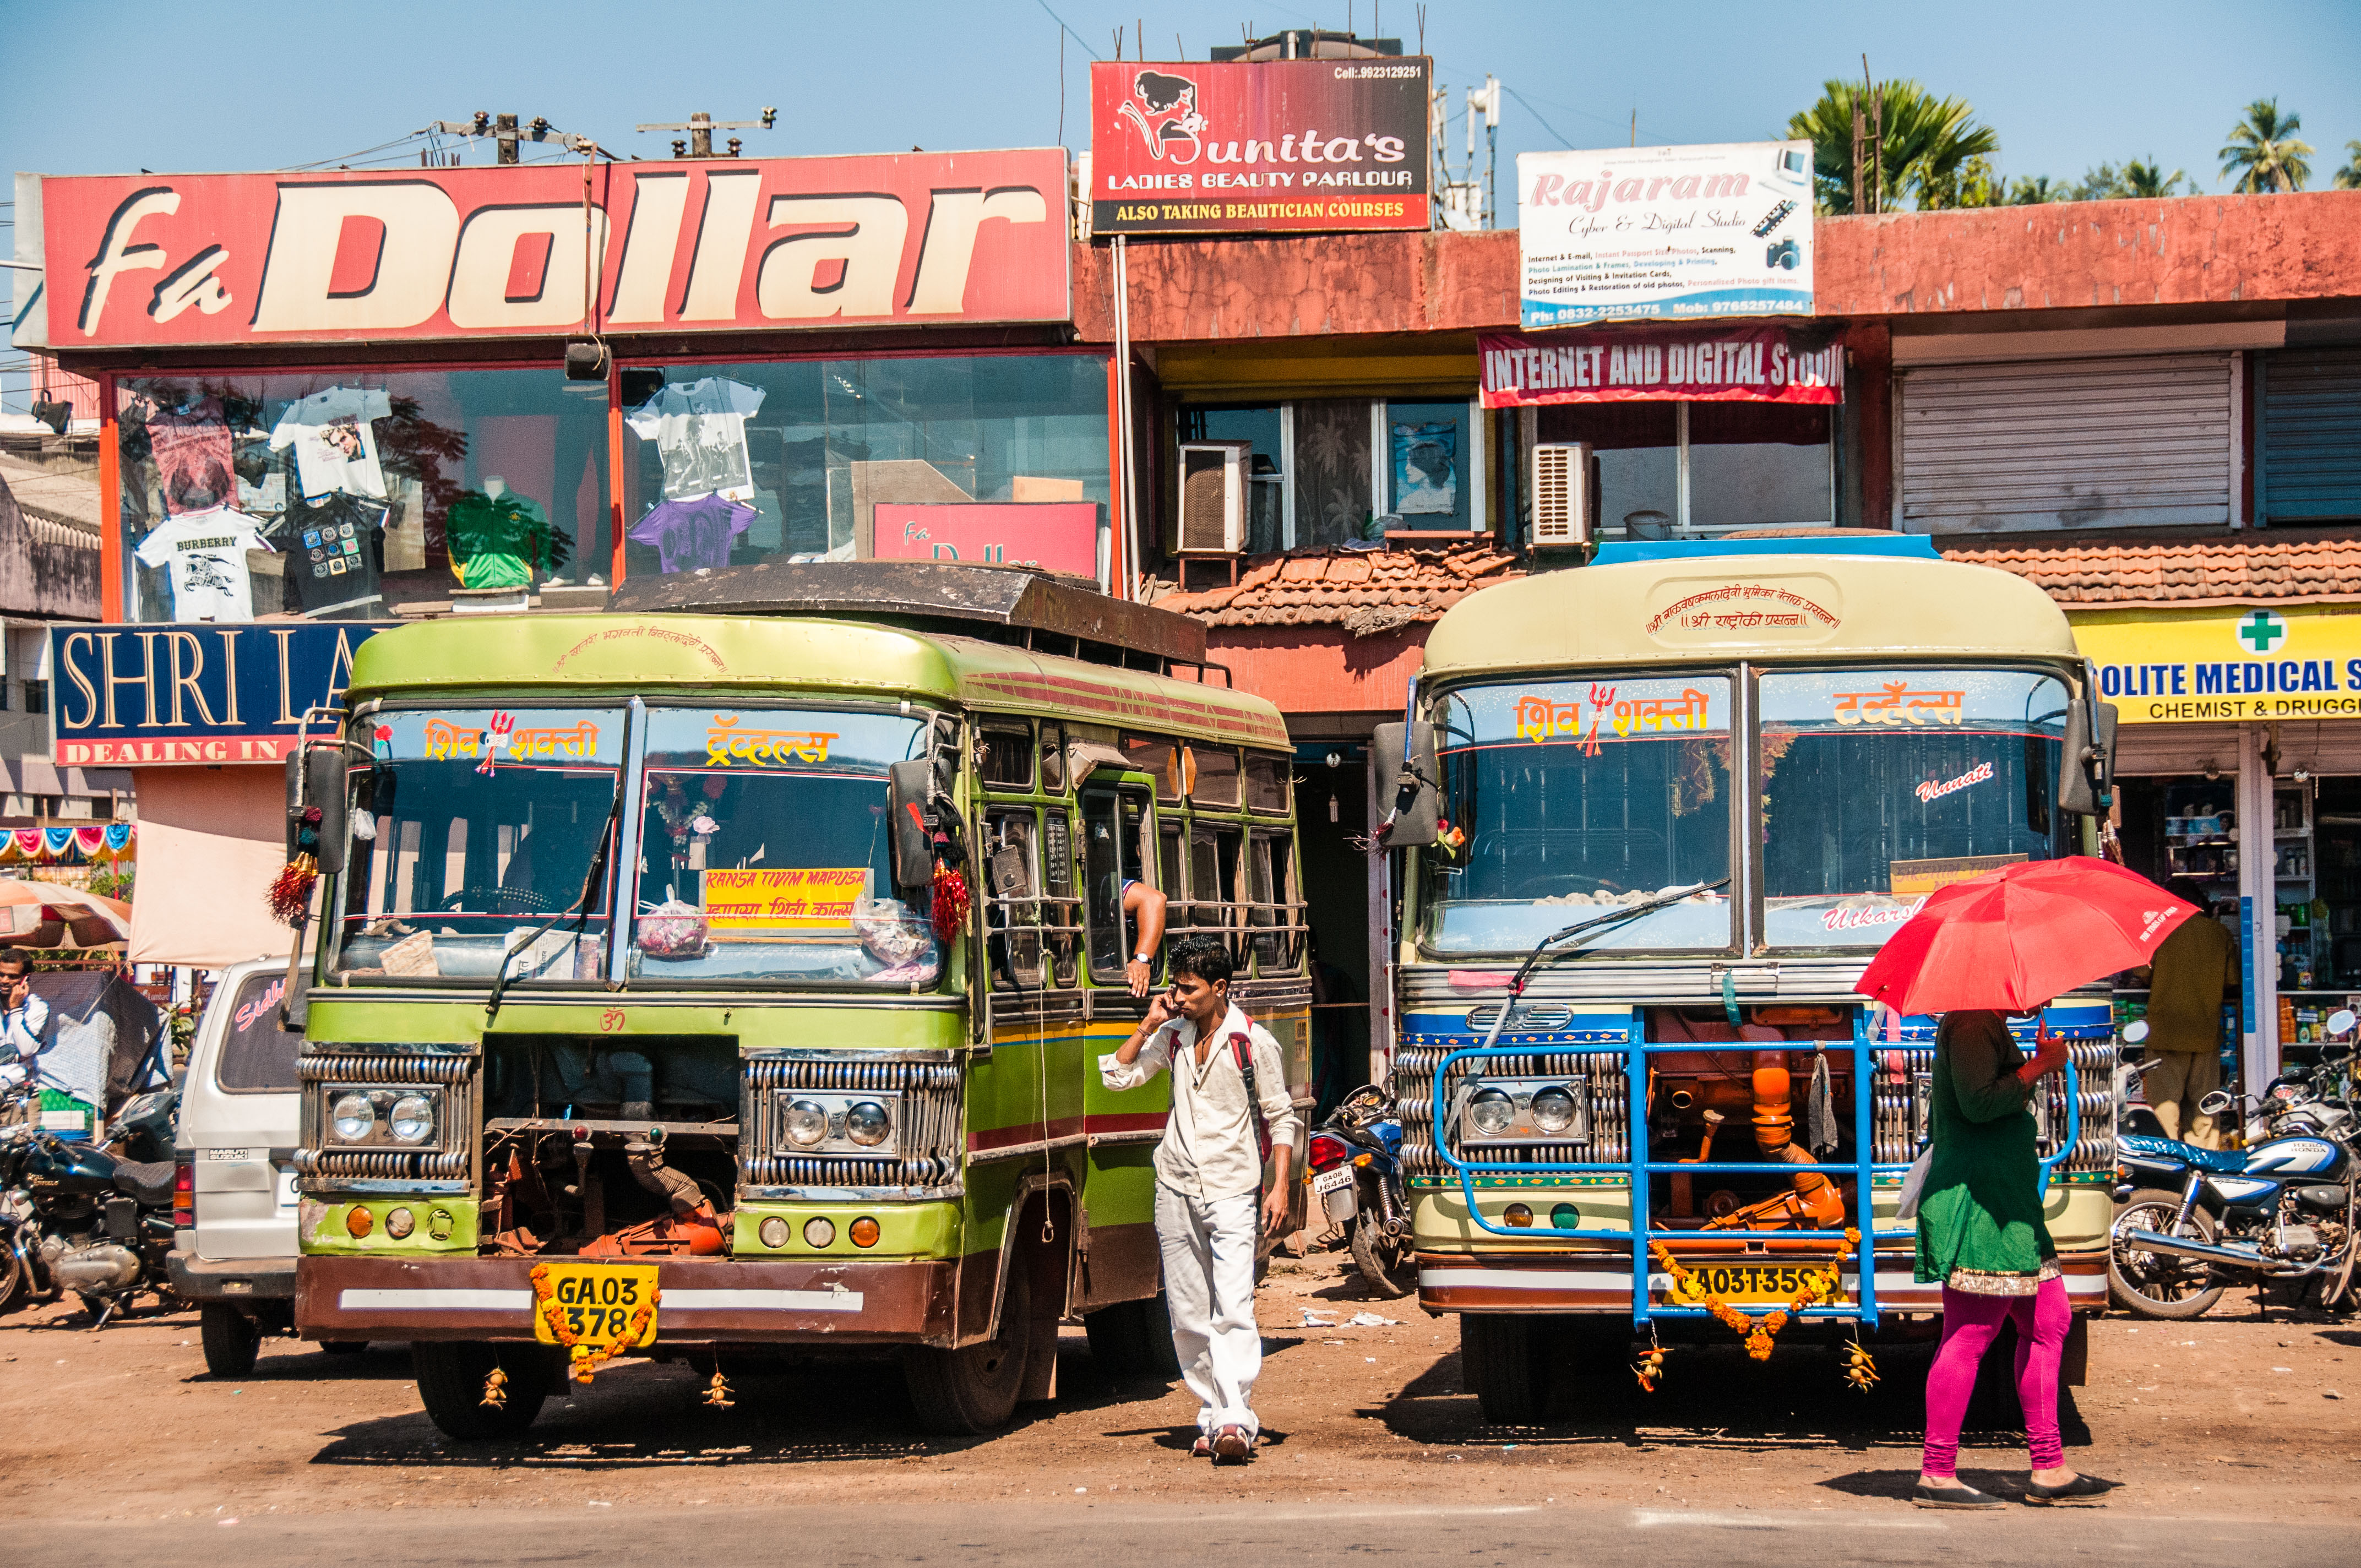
1143,958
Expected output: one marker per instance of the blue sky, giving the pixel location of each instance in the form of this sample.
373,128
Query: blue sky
262,85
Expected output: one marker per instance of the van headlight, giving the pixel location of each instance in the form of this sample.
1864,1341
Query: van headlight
807,1123
866,1123
411,1120
354,1116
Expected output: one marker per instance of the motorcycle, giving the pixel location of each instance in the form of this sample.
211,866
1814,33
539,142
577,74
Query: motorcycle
1356,1172
95,1219
2281,1212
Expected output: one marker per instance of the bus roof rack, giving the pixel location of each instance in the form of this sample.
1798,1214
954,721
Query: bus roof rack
1771,541
1039,610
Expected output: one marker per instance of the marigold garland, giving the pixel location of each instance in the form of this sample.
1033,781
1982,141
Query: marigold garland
585,1359
1759,1333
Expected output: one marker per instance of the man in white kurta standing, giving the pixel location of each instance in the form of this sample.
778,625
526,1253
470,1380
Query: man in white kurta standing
1209,1180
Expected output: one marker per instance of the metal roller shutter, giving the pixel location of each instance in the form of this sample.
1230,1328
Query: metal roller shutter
2309,466
2067,443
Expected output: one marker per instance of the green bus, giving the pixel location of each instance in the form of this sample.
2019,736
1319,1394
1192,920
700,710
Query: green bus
724,975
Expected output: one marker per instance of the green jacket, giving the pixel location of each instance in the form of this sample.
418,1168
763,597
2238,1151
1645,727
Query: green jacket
1980,1208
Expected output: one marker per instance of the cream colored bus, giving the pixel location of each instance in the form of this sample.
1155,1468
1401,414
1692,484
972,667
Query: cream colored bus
1684,793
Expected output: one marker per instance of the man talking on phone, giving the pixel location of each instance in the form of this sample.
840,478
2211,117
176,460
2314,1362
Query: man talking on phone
1229,1105
25,1034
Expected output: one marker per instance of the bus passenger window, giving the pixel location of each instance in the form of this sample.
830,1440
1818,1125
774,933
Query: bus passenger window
1214,877
1012,910
1114,827
1266,782
1218,776
1004,758
1157,758
1053,759
1270,884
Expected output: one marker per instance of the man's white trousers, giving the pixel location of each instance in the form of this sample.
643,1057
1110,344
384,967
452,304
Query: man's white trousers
1209,1263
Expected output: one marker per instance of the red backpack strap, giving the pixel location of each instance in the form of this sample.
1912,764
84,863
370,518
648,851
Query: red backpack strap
1243,1047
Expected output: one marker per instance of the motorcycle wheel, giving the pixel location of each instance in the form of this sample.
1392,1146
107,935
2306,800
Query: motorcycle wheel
1386,1264
232,1339
2153,1285
15,1280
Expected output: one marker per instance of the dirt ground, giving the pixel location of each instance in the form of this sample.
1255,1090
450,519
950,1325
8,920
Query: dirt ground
2228,1416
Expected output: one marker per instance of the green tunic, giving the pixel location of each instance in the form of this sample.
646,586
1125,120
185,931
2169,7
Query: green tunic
1980,1209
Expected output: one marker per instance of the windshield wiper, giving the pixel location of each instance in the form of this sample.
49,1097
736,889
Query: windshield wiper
1540,952
581,908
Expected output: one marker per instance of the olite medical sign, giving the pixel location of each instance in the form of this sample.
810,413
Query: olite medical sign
460,253
2205,667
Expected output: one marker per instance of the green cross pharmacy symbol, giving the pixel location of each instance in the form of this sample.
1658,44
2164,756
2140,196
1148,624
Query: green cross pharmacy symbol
2262,631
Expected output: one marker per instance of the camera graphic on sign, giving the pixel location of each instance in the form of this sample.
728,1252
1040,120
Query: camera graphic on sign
1784,253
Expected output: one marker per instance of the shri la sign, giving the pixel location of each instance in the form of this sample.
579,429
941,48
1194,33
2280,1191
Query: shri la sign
1665,233
158,260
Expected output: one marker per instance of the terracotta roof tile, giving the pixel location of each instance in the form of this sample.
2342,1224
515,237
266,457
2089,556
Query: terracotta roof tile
1365,592
2189,572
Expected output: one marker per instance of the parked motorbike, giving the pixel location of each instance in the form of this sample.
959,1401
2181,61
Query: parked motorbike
2281,1212
1357,1175
95,1219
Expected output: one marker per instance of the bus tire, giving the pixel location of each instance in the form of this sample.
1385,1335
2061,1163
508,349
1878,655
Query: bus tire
1506,1362
232,1339
972,1390
1134,1338
450,1374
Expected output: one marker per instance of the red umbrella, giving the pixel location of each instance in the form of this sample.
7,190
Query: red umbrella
2013,939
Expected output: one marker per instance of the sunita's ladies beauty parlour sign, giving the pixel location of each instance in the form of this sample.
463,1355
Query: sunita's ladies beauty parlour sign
458,253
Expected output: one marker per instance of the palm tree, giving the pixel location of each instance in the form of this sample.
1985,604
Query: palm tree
2142,179
2264,154
2031,189
2349,177
1927,140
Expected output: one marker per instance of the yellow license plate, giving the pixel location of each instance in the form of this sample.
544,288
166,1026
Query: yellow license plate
599,1303
1747,1284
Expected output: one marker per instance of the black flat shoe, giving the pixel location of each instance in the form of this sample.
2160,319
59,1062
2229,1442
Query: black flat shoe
1959,1496
2079,1490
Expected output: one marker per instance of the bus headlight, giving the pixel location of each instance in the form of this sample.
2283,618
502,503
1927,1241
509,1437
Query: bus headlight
353,1116
807,1123
866,1123
1491,1112
411,1120
1552,1109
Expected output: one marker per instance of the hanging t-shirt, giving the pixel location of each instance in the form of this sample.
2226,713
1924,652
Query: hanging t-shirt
207,550
699,428
689,534
191,450
334,440
497,541
334,550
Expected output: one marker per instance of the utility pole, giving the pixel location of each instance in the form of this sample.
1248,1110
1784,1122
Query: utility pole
507,135
701,126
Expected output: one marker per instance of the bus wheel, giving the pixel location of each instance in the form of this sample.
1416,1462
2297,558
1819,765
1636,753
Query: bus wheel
232,1339
972,1390
450,1374
1506,1361
1134,1337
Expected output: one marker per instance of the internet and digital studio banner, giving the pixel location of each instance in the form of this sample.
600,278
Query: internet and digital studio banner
1265,147
1665,233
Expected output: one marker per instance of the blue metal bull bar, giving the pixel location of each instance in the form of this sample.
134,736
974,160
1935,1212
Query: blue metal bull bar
1638,1168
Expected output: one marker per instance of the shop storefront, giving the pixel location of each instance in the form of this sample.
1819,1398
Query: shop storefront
2240,761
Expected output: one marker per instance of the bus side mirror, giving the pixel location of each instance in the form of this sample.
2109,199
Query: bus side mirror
910,789
2086,765
315,777
1408,786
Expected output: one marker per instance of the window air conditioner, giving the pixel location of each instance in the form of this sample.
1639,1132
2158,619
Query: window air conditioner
1214,497
1565,495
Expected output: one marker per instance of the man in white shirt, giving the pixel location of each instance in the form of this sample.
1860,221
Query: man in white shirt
1209,1180
25,1033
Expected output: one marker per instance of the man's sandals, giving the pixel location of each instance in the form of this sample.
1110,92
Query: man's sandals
1232,1445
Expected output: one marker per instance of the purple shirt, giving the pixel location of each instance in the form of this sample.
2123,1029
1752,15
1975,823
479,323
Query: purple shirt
689,534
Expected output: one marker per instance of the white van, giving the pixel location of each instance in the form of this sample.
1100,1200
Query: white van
240,1123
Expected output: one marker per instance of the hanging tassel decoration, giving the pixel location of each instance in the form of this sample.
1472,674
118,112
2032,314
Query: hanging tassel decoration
717,1393
950,903
291,890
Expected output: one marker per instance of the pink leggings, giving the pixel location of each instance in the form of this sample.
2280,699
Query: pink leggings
1969,1321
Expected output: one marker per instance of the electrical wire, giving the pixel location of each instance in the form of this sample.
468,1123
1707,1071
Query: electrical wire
1070,32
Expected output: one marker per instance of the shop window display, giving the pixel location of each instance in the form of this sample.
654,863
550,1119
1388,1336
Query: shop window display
345,494
728,465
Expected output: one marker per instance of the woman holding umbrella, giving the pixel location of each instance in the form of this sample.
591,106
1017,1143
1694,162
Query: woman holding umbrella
1977,951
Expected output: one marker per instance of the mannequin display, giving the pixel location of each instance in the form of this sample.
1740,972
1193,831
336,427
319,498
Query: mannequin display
336,550
206,552
334,439
188,436
499,538
693,533
699,428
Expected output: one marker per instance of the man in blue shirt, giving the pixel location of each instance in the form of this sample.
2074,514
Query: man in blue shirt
70,1076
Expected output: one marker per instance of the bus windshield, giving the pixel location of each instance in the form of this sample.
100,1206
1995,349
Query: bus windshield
470,828
1880,786
765,852
1574,798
